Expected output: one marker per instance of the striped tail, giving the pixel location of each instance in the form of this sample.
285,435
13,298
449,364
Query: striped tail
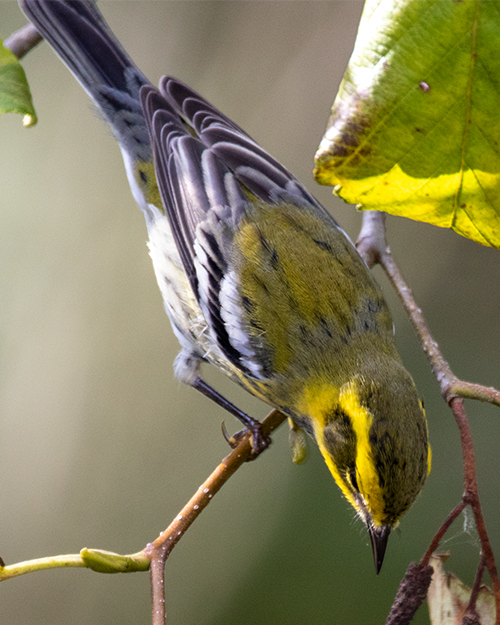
77,31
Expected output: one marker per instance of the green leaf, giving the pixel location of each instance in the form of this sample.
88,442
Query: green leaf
15,96
415,127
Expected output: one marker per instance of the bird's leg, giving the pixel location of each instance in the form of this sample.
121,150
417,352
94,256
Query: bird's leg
260,441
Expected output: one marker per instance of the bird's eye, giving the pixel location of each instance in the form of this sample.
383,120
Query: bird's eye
354,481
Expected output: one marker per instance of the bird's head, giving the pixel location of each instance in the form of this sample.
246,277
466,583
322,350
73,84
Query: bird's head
372,433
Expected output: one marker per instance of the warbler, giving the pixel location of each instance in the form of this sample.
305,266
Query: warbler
257,277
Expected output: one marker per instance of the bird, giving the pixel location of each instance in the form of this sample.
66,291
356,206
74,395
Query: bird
257,278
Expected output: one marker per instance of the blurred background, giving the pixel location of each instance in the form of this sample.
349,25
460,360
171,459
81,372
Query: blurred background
101,447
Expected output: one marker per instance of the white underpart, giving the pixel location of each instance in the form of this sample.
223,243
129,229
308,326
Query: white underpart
232,313
137,192
180,304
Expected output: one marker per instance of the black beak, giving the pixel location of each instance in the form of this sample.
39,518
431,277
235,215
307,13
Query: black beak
379,537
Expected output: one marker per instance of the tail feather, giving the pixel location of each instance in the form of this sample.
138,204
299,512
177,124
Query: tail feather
81,37
78,33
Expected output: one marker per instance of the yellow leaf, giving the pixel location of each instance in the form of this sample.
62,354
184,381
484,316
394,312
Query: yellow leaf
415,129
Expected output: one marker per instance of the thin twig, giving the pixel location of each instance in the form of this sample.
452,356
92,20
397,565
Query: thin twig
457,510
372,245
154,556
471,608
371,242
40,564
469,459
471,492
23,41
470,497
160,549
450,385
94,559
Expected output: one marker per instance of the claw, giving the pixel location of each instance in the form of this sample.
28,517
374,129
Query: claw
226,435
260,442
232,441
236,438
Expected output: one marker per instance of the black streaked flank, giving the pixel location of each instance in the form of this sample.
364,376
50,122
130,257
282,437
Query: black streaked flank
261,284
248,304
324,324
325,246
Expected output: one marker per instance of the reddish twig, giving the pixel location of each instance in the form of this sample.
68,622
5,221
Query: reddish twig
471,492
160,549
372,245
454,514
470,497
471,613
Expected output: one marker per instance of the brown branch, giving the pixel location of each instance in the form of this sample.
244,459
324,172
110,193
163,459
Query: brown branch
471,492
471,613
470,497
160,549
155,554
371,242
372,245
454,514
23,41
411,594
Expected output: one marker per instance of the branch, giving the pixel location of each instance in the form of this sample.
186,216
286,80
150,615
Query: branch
23,41
94,559
160,549
454,514
372,246
471,493
155,554
471,613
470,497
411,594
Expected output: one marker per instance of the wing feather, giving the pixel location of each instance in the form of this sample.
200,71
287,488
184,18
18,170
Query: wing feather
206,166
